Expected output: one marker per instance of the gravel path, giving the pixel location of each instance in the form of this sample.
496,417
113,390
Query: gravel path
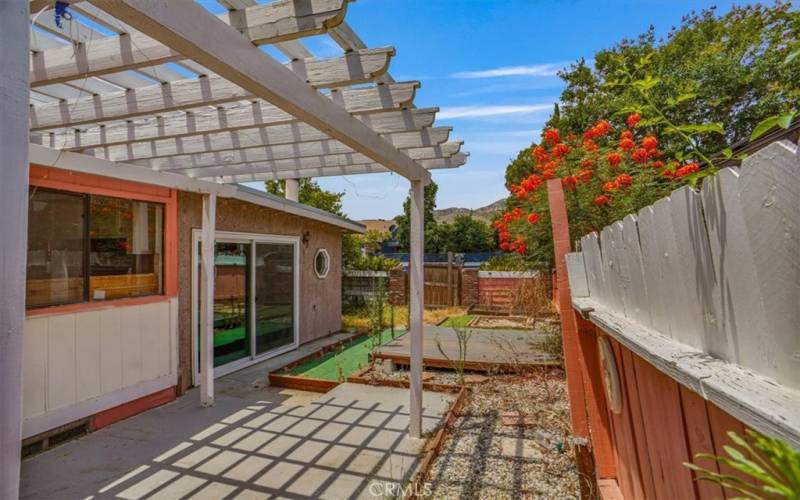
484,458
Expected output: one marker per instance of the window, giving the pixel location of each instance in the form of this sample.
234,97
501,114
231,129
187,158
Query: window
88,248
322,263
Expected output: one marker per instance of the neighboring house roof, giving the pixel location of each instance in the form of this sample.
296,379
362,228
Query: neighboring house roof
384,225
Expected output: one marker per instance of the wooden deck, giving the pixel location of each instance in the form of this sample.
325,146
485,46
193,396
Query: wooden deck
487,350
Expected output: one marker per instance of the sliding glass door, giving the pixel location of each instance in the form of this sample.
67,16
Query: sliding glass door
255,298
274,300
231,302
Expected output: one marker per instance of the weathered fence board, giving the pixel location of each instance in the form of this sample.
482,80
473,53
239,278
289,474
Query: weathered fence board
717,271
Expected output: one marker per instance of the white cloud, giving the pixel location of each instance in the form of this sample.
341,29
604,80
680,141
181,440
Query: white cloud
488,111
531,70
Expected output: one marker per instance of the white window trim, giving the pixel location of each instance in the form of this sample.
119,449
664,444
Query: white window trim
324,252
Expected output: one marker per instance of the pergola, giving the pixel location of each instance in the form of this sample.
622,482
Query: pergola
166,89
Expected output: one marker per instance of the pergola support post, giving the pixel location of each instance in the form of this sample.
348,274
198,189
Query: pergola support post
416,302
14,96
207,300
292,189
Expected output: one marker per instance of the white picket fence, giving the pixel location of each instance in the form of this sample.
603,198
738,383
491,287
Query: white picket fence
715,270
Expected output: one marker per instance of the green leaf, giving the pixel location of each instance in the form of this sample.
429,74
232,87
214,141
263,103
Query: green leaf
727,153
702,128
646,83
681,98
771,122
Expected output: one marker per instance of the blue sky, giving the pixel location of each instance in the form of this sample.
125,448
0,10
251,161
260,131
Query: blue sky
490,66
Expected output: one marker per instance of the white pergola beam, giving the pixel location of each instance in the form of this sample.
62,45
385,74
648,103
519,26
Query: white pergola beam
189,29
290,160
269,23
14,98
281,152
454,161
214,90
382,123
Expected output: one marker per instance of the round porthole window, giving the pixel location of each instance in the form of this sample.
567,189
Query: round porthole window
322,263
610,375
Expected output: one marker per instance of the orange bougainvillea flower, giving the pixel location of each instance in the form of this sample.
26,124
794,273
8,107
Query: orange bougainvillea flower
589,145
569,182
548,174
633,119
624,180
657,164
587,163
505,246
667,173
610,186
533,218
687,170
560,150
540,154
626,144
585,175
602,127
614,158
601,200
639,155
649,143
626,134
551,136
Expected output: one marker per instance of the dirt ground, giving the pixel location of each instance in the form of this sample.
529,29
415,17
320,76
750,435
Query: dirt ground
487,454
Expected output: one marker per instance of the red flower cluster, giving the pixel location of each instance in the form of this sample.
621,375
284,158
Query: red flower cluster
595,164
551,136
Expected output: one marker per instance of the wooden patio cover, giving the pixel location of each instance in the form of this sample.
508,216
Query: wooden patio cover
169,86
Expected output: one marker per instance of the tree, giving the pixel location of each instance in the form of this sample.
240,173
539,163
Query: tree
465,234
706,86
311,194
727,69
404,221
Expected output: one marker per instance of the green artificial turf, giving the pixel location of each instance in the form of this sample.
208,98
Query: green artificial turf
354,357
222,337
458,321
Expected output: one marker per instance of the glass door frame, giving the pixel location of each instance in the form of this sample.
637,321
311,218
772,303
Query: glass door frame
252,239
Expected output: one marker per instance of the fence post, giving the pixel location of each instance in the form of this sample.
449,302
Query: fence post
449,278
588,423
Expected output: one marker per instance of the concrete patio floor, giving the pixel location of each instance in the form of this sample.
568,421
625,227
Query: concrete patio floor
285,444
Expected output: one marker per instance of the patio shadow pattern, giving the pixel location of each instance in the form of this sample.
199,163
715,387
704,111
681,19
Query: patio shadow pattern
334,447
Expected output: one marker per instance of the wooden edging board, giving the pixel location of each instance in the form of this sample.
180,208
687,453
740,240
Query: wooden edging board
434,446
277,379
479,366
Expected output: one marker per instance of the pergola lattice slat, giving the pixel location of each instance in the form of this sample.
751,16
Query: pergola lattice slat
454,161
269,153
270,23
299,159
206,91
246,115
195,33
380,123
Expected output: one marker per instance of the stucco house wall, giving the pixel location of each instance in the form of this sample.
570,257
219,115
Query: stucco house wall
320,299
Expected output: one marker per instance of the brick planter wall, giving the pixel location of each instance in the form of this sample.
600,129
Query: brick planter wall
469,287
398,292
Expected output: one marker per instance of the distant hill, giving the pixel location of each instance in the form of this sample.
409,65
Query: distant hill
485,213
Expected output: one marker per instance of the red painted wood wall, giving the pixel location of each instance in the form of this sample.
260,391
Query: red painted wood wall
661,425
